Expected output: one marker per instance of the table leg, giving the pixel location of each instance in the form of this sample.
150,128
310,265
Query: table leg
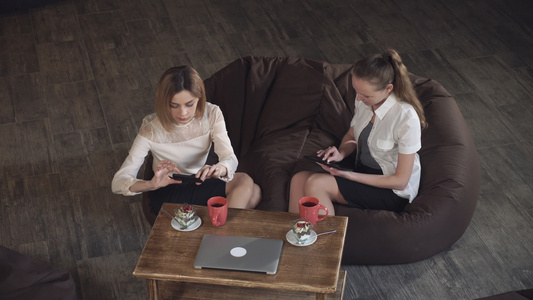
153,290
320,296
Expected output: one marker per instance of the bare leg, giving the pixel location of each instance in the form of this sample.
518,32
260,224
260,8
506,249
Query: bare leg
256,197
242,192
297,190
324,187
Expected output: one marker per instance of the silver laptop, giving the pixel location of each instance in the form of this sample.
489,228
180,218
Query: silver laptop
238,253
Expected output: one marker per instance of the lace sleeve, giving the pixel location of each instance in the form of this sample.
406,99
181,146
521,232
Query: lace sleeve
126,176
222,143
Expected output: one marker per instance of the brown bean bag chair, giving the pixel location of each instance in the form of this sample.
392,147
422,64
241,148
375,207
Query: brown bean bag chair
23,277
278,109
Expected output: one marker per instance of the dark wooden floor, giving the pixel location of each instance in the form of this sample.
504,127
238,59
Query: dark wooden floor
77,76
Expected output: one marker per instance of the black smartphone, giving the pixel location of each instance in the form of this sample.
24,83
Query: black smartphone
185,178
325,163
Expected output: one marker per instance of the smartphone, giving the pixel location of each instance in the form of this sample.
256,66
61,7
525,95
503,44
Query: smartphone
325,163
185,178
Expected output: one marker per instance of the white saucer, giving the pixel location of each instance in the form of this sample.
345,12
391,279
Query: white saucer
191,227
291,238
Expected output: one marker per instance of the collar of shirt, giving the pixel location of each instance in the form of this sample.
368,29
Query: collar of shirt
386,106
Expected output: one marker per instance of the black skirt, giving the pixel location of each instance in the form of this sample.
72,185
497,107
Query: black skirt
364,196
187,192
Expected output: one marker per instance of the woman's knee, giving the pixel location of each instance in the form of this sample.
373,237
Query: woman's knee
316,178
300,178
241,180
256,196
319,181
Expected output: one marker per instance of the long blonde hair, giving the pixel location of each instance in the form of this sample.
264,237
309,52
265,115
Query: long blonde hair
382,69
173,81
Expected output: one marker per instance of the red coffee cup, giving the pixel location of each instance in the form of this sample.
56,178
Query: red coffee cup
309,208
218,210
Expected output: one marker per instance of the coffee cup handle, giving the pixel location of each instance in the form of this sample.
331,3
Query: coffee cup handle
322,207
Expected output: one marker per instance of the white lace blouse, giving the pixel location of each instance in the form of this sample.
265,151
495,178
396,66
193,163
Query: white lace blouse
187,146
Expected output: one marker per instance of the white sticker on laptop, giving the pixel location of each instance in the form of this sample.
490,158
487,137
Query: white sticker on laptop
238,252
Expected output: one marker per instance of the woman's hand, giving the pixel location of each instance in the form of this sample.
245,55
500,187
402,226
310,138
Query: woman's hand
397,181
336,172
347,147
161,178
214,171
330,154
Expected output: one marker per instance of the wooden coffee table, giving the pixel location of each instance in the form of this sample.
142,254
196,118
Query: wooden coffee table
310,272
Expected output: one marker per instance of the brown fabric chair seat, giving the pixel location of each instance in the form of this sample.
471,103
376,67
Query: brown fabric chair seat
278,109
23,277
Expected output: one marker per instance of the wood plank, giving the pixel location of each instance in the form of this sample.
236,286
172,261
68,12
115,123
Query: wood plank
74,106
490,75
494,228
108,277
199,36
103,228
142,9
28,97
18,55
172,290
12,162
7,109
63,62
184,12
15,24
95,6
20,212
436,65
155,37
104,31
56,23
31,153
125,111
479,115
262,42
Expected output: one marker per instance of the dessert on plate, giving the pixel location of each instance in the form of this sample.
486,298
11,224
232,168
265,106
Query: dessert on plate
302,229
185,215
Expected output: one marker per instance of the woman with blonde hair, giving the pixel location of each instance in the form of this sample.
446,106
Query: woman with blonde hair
179,135
386,133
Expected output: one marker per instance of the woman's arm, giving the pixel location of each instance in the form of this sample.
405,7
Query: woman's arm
347,147
348,143
126,176
225,168
125,181
160,179
397,181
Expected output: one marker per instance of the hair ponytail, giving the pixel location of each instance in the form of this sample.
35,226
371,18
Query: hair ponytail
389,68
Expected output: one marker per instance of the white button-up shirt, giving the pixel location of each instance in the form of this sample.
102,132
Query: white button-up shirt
396,130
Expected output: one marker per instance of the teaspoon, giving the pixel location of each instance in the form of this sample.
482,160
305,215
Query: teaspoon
326,232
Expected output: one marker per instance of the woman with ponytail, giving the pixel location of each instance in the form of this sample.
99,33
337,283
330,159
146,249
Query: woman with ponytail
385,131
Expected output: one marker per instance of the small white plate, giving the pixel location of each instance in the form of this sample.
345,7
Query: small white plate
191,227
291,238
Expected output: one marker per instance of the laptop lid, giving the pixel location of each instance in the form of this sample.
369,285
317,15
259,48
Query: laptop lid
238,253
